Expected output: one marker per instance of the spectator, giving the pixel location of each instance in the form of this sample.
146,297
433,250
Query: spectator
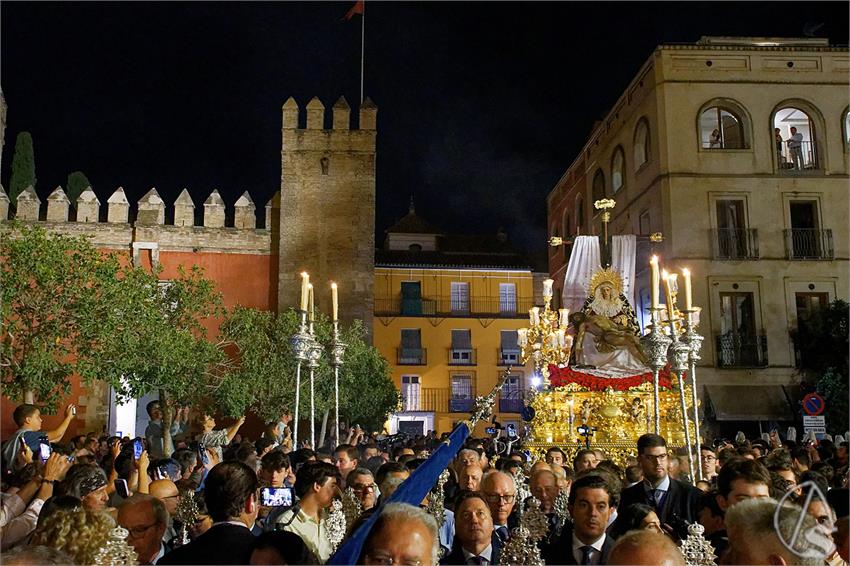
467,457
346,459
88,483
403,534
469,477
634,475
636,516
742,479
275,469
215,439
154,431
642,547
146,519
585,459
281,547
230,493
556,456
499,490
708,461
474,542
795,148
389,477
585,541
28,419
36,555
544,486
361,481
79,533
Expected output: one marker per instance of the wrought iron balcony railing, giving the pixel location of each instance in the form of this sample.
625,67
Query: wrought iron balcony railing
808,243
510,404
508,357
460,405
740,351
735,244
445,306
462,356
791,161
412,356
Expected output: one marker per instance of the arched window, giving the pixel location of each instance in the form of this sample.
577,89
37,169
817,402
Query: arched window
845,124
580,213
598,186
567,222
721,128
641,149
618,167
794,138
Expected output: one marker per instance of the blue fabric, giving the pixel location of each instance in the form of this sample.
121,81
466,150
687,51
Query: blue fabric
412,491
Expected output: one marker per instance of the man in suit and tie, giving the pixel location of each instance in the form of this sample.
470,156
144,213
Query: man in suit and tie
475,541
230,492
672,499
499,490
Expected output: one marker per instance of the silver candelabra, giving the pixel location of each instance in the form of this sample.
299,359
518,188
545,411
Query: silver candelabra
682,353
301,345
337,357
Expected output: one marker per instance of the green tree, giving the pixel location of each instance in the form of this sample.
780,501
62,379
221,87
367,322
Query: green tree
76,184
264,377
23,166
822,340
50,286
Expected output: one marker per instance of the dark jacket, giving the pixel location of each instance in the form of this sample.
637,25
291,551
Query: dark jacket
561,549
222,544
680,502
456,555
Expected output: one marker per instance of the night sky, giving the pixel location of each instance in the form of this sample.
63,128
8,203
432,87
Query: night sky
482,106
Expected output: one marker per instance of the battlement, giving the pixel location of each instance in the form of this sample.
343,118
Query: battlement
151,209
340,115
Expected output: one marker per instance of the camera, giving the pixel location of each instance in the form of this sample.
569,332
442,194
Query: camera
490,430
44,449
511,430
138,448
585,430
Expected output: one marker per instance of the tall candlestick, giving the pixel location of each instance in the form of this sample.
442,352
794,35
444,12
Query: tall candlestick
311,312
656,280
563,317
561,335
686,274
547,287
534,315
670,281
522,337
335,302
305,284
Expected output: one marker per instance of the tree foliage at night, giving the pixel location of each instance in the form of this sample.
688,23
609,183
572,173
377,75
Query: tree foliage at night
264,380
76,184
23,166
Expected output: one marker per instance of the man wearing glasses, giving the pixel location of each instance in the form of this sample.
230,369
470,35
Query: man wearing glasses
361,481
145,517
499,490
671,499
708,461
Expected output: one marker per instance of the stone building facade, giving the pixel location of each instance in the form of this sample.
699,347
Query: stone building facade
322,221
690,150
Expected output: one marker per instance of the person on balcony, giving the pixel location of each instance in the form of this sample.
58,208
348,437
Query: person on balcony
795,148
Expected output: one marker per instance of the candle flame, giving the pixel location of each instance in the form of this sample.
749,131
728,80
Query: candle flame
686,271
333,285
310,286
654,259
305,274
664,273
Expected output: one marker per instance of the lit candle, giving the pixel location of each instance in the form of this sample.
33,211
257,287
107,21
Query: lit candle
563,317
656,280
534,315
335,301
547,287
562,340
312,314
670,280
305,283
686,274
522,337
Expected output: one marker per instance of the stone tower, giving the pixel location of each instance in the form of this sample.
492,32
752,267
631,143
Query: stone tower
327,208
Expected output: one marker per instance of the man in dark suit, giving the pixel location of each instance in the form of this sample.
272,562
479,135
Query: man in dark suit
585,541
230,493
499,490
475,541
672,499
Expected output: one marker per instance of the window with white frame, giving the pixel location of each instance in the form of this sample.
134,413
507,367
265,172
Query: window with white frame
507,298
721,128
460,297
410,392
509,352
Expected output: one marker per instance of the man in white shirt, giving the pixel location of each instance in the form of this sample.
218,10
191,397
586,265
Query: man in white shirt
316,484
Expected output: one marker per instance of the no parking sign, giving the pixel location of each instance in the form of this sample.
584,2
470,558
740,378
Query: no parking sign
813,404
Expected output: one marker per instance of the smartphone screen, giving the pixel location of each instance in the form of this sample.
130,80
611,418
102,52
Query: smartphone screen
202,453
138,448
276,496
121,488
44,449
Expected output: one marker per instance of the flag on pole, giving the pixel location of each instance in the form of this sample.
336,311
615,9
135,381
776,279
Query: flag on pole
358,8
411,491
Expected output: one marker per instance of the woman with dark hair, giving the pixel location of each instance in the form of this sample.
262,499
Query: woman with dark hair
637,516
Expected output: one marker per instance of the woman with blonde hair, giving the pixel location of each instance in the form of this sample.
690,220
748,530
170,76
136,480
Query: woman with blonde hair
78,532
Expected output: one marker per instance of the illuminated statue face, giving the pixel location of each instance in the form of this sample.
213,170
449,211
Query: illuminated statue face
606,292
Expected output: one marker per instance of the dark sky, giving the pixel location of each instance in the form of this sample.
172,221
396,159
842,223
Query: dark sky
482,106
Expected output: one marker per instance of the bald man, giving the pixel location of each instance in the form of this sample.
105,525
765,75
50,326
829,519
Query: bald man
649,548
166,491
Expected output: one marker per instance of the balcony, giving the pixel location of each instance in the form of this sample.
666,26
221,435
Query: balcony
738,351
412,356
462,356
461,405
512,403
791,162
445,306
508,357
735,244
808,243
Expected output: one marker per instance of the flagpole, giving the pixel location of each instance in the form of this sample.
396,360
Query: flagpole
362,49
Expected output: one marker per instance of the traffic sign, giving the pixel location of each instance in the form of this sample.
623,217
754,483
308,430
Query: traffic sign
814,423
813,404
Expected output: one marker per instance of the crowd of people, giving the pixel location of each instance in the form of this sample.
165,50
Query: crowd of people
760,501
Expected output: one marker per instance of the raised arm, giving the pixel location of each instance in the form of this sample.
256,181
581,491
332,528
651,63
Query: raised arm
56,434
234,428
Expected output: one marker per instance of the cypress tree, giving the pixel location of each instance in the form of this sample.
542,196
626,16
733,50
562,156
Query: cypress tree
23,166
77,183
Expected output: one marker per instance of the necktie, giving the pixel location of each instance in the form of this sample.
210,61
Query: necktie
587,554
502,533
476,560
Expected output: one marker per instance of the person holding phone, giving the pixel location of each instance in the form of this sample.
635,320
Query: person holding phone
29,421
154,431
215,439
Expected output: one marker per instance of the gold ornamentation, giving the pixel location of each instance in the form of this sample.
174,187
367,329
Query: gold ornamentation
606,276
604,203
